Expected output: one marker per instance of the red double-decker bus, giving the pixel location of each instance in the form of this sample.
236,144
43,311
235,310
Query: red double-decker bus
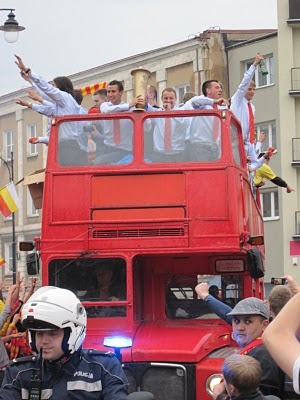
132,232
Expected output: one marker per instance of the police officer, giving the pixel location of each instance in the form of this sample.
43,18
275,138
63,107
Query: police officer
56,322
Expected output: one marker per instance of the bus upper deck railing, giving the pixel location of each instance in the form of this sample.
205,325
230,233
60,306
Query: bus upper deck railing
150,138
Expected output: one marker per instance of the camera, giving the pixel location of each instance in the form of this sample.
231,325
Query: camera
95,126
88,128
278,281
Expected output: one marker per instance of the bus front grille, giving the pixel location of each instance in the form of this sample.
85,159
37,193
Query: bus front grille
126,233
166,381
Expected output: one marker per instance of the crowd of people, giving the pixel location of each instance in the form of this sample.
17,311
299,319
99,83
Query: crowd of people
172,139
257,328
14,340
43,333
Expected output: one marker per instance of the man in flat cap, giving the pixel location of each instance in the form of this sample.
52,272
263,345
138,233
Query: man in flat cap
249,318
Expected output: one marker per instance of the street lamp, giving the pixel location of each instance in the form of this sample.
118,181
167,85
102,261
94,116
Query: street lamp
13,244
11,27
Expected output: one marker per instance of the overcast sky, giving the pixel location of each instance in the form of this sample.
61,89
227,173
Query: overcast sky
63,37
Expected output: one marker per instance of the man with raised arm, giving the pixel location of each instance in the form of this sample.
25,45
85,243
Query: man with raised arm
241,104
249,318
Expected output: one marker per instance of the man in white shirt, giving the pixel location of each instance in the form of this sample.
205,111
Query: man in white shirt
61,95
169,133
118,134
241,104
205,131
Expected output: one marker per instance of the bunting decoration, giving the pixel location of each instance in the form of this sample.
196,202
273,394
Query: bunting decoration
92,88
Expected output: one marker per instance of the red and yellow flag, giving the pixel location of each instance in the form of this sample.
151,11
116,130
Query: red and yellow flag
9,200
92,88
2,261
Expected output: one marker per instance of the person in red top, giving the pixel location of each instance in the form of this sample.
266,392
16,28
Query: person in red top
99,97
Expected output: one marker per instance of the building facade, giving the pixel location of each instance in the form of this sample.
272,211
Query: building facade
289,127
223,55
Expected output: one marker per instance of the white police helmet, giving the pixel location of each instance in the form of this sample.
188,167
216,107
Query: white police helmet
51,308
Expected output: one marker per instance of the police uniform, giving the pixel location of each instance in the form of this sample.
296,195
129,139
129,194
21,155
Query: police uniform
87,374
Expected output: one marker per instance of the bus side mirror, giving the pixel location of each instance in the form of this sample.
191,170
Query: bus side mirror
26,246
33,264
255,263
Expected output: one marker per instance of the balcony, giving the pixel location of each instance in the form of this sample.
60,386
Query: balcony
294,13
296,152
297,225
295,82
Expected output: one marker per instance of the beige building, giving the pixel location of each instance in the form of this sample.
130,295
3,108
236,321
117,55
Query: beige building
289,127
223,55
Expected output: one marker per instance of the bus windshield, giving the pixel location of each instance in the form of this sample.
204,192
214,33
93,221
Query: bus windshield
93,281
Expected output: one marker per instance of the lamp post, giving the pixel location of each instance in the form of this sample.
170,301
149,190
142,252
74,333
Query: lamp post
11,27
13,244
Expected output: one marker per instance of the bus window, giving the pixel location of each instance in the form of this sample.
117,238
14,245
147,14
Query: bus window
92,280
235,143
95,142
182,301
232,293
182,139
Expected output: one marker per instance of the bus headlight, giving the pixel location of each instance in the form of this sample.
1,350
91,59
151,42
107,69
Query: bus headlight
211,381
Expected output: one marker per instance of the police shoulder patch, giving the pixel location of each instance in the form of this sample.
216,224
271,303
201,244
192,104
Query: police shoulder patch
101,353
22,360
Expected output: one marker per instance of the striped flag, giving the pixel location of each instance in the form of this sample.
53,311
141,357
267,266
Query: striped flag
9,200
92,88
2,261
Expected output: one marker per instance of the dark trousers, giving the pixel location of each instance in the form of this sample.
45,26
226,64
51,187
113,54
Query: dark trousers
203,152
1,376
160,157
69,153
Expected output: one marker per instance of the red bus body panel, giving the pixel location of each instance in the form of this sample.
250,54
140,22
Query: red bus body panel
163,220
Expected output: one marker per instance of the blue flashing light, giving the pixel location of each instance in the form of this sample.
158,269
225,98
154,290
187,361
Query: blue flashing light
117,342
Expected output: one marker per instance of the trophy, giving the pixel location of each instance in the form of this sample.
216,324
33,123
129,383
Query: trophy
140,80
